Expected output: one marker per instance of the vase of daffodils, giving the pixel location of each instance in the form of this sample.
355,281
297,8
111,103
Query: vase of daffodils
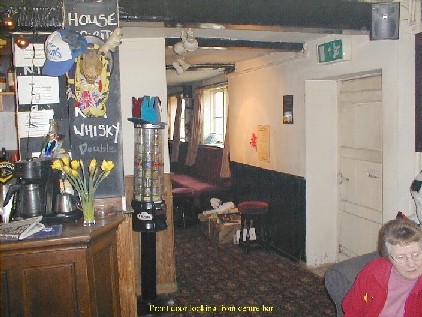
85,182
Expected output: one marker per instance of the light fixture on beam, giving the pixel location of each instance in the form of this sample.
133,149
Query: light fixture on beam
188,43
9,22
22,42
179,49
180,66
183,63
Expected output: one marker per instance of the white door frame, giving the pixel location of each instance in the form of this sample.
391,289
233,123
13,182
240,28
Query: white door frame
321,171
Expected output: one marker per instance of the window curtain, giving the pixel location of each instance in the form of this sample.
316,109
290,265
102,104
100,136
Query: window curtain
176,132
196,134
225,164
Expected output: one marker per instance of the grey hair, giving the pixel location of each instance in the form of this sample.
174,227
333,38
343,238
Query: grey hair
398,232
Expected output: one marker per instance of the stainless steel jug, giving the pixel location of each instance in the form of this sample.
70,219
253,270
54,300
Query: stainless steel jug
30,199
65,203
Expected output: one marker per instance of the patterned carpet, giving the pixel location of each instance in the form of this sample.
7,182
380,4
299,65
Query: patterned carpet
223,280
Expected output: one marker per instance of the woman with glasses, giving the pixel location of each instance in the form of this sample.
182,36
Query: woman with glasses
390,286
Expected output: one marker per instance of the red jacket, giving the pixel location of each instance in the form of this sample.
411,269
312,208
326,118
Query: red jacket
368,294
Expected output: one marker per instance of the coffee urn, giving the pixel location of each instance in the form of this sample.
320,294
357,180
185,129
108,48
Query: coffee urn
33,191
149,208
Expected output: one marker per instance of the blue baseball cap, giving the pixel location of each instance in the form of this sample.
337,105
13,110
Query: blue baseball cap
61,49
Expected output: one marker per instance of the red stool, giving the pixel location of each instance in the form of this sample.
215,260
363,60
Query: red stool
182,205
251,211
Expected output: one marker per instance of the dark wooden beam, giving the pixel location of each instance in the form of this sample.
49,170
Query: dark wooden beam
324,14
333,14
217,42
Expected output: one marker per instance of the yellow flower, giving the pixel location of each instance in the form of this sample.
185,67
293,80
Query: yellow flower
74,173
66,160
84,183
67,170
57,165
75,164
92,166
107,166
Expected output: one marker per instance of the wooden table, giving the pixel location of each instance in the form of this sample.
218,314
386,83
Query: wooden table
75,274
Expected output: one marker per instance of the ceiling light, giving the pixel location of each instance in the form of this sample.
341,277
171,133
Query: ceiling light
179,49
22,42
178,68
183,64
190,43
9,22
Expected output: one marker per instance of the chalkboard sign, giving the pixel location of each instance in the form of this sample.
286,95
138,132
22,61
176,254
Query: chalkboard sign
94,89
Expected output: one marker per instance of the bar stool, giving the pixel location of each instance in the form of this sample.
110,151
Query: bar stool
182,205
251,211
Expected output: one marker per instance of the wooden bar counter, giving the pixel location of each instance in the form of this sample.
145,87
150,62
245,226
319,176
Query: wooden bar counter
75,274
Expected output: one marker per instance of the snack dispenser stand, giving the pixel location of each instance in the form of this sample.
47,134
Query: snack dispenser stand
149,209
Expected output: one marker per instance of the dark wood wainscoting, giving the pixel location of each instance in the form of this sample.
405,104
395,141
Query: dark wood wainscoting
285,193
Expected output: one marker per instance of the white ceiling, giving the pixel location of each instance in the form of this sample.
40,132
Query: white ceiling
218,55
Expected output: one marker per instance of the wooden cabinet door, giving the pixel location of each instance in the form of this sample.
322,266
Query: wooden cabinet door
44,284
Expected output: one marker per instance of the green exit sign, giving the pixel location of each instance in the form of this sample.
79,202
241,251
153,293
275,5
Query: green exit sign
333,51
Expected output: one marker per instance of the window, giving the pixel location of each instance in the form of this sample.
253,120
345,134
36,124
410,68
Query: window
215,103
172,106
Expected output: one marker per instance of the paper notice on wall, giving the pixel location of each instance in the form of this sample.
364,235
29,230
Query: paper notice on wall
31,56
38,90
34,123
263,146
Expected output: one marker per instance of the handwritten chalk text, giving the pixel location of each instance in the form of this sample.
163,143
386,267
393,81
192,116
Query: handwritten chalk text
100,20
100,130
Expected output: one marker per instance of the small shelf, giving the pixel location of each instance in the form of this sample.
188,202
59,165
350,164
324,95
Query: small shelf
5,93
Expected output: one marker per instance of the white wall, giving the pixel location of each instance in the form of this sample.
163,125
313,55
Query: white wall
256,91
142,72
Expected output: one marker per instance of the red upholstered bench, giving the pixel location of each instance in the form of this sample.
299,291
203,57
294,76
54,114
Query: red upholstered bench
203,177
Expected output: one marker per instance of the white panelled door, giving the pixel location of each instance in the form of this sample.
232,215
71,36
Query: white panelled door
360,165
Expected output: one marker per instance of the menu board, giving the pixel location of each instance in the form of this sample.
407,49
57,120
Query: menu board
94,91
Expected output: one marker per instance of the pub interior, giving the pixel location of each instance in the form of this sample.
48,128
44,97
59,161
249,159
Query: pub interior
140,112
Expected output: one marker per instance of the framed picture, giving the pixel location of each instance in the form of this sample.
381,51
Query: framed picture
288,109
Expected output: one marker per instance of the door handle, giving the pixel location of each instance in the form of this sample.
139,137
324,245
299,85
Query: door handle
341,178
372,174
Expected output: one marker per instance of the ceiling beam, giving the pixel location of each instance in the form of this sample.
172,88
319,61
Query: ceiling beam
333,14
218,42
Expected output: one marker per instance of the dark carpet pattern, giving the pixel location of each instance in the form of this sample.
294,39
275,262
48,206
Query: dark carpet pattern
223,280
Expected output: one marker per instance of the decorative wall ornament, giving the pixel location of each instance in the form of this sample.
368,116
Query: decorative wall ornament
253,141
90,81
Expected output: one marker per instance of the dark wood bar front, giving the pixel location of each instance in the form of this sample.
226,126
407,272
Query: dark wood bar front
75,274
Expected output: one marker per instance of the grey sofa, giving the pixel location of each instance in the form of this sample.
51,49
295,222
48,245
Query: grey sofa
339,278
